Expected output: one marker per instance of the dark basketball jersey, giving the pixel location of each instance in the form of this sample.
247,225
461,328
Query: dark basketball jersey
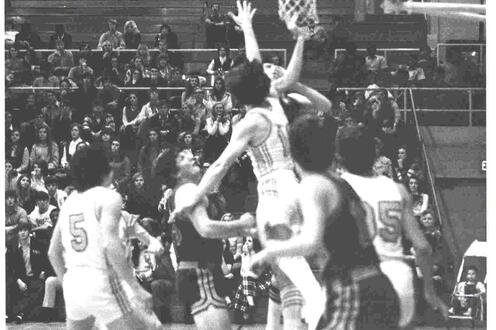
190,245
346,237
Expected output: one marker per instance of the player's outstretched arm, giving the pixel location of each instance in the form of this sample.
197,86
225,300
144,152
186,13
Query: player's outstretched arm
56,252
242,135
293,71
244,20
320,103
423,252
317,201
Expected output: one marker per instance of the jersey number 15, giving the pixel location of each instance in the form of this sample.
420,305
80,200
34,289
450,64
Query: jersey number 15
79,241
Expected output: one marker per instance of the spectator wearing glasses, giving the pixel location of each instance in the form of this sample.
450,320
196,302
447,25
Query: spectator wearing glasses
112,35
60,35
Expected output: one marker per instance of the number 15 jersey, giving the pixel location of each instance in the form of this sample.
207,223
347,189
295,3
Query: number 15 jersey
80,229
384,205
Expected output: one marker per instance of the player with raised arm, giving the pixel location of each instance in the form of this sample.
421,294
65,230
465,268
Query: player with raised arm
88,255
200,281
263,134
390,215
359,296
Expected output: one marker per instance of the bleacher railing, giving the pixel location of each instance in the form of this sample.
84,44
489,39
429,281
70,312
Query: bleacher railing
470,100
392,55
475,52
283,51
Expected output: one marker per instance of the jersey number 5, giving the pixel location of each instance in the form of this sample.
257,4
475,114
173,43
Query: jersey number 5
80,237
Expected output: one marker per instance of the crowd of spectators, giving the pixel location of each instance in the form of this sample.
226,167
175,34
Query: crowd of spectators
141,131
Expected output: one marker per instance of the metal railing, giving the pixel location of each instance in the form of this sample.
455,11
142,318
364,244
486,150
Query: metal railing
174,50
381,51
405,109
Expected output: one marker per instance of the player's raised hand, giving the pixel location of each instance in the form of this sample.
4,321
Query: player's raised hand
245,14
299,32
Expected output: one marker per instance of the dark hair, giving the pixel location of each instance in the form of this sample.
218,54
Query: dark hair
40,195
472,268
11,193
248,83
355,147
50,180
89,166
43,165
311,141
24,225
219,93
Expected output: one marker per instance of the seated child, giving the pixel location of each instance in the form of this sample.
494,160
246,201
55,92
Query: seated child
467,305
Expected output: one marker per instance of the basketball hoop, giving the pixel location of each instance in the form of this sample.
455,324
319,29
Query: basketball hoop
305,10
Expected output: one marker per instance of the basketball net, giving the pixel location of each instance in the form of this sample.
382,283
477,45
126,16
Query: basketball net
305,10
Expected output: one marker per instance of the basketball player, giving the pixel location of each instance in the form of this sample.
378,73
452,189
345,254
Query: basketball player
87,253
359,296
390,215
200,281
263,133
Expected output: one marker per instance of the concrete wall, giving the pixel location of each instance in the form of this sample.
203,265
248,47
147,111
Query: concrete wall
444,29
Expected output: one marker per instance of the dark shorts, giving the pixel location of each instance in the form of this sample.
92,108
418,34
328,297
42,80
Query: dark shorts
202,288
369,302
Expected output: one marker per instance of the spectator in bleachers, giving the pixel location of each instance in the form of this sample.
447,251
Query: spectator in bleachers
38,174
166,34
164,67
109,95
134,78
141,199
83,97
221,64
420,200
45,149
115,73
149,152
77,73
112,35
347,69
166,123
130,111
143,53
374,62
431,230
25,193
69,147
416,75
218,124
402,164
192,103
131,35
16,152
14,215
155,79
174,96
175,59
9,123
103,59
56,196
39,218
10,31
15,62
215,27
150,109
218,94
44,78
11,176
28,266
471,286
60,35
26,38
120,164
97,121
61,59
427,62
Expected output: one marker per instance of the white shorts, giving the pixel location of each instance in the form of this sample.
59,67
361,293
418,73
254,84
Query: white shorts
90,292
401,276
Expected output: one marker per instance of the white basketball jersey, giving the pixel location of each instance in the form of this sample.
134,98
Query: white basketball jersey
384,205
80,229
272,154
